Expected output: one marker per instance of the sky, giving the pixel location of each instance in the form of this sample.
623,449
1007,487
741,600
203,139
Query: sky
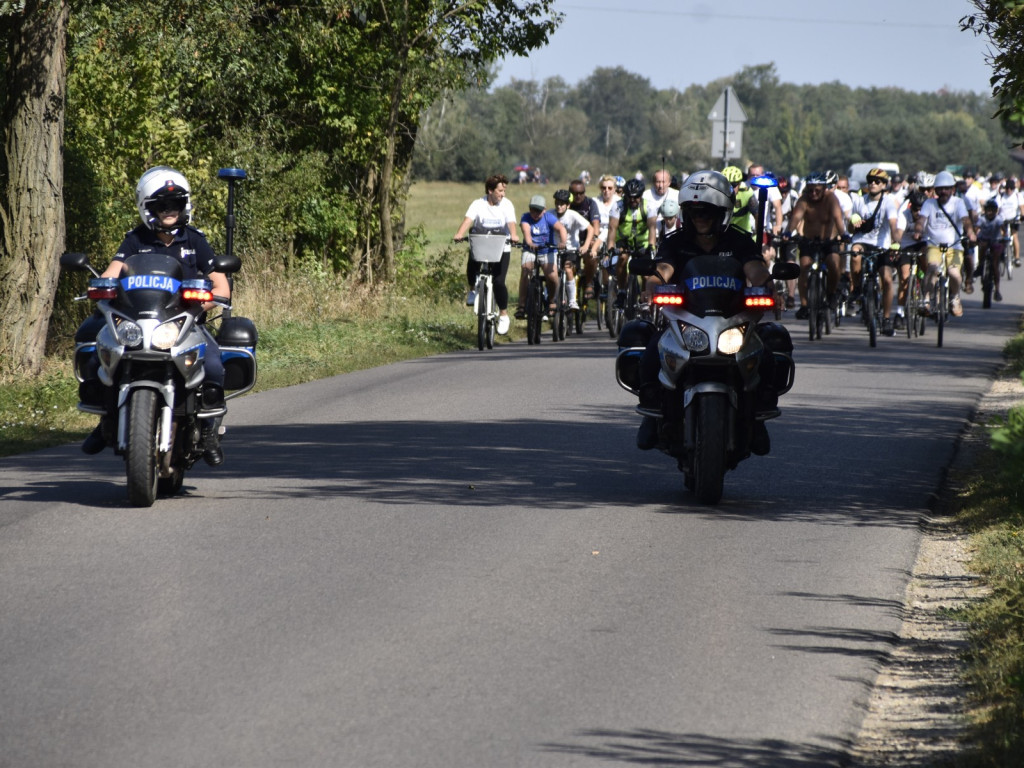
915,45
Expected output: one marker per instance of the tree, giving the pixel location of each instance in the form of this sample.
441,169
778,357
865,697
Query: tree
1002,23
34,34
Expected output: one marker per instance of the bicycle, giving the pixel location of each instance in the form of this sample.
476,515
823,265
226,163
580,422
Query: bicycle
871,291
486,250
939,293
536,306
562,321
1009,252
913,298
819,312
986,271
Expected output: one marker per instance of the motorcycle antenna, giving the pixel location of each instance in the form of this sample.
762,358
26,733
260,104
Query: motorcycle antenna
232,176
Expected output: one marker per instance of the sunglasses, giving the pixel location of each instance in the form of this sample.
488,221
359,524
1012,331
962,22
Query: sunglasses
876,181
172,204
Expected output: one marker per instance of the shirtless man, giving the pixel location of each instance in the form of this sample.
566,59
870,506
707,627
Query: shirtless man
818,216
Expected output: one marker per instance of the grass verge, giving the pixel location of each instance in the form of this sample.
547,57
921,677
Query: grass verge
992,510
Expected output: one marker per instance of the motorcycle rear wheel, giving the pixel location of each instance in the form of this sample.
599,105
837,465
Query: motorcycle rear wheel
709,449
140,457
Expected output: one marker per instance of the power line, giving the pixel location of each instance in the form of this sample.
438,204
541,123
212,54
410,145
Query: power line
703,14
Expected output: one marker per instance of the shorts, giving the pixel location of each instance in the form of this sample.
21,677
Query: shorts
547,257
807,250
954,259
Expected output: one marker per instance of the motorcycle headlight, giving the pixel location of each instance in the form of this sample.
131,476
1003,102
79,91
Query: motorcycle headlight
695,339
165,335
730,341
129,334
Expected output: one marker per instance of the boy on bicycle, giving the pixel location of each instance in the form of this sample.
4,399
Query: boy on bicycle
990,243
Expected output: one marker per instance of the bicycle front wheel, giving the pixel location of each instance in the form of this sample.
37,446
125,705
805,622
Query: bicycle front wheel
868,307
814,305
942,309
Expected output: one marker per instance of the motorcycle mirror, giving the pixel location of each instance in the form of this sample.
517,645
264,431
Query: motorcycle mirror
227,263
785,270
643,266
75,262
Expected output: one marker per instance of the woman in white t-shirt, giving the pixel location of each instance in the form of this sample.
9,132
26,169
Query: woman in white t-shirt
492,214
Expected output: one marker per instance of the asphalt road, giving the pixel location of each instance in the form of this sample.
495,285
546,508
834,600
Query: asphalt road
463,561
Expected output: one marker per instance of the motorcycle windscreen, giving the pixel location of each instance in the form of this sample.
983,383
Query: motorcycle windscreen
150,281
713,285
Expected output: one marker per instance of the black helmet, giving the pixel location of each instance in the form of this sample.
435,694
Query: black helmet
562,196
633,188
991,204
917,198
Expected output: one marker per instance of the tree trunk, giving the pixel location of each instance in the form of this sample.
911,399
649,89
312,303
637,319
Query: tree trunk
31,180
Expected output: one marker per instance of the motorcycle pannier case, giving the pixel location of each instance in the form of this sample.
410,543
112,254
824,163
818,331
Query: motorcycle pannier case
237,338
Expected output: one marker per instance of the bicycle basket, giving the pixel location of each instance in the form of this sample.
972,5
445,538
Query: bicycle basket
486,247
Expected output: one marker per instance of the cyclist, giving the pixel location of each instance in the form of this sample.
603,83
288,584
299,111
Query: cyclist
669,221
943,221
659,193
874,222
909,212
492,214
817,216
630,227
1011,205
990,242
543,235
707,205
742,218
579,234
590,212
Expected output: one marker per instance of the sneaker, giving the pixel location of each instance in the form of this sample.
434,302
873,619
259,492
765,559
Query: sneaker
503,324
968,288
620,300
471,298
1016,262
520,313
573,305
888,329
647,435
997,295
899,323
803,313
955,307
790,302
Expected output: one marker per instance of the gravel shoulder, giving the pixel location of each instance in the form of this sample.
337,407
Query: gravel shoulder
917,712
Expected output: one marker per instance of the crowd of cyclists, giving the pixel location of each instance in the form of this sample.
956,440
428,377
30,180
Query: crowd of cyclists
920,222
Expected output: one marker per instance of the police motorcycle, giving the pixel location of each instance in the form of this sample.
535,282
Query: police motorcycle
139,361
713,354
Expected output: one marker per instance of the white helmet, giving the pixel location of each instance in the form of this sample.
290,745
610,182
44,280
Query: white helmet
708,188
944,179
163,183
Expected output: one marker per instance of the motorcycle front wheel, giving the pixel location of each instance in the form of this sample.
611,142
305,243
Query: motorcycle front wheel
140,457
712,419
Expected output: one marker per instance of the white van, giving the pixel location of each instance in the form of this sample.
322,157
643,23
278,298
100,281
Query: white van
858,172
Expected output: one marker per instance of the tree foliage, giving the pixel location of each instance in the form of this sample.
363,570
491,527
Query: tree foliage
1001,22
616,122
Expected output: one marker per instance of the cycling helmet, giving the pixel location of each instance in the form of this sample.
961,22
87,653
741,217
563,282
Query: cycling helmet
831,178
562,196
917,198
925,180
160,185
669,208
878,173
816,178
733,174
944,179
991,204
633,188
708,188
620,182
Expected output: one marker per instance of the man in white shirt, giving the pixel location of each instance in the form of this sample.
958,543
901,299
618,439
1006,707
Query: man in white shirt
655,196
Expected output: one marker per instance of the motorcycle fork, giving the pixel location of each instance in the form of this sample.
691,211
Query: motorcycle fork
163,388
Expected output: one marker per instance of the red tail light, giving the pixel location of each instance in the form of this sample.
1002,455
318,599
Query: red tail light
760,302
197,295
668,299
